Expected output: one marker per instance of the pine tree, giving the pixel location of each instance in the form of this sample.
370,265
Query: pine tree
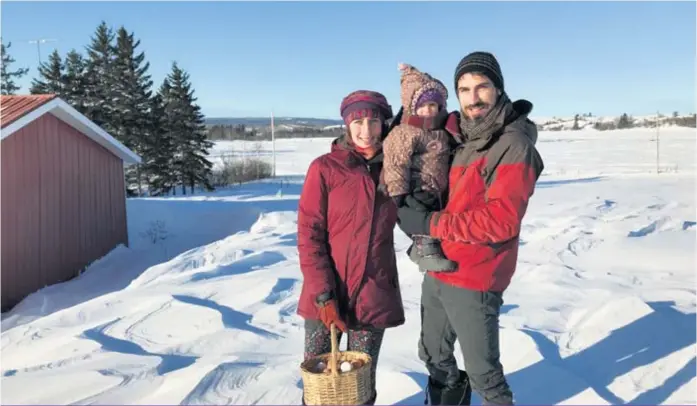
75,81
198,167
99,78
51,78
7,77
624,122
158,152
186,127
132,101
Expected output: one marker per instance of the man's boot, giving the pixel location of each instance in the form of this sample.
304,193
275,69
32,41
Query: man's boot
452,393
372,400
428,255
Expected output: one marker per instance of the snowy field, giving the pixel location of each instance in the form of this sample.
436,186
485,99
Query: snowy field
201,308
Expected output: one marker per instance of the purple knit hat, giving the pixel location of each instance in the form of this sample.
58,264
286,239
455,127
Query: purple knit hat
431,95
365,103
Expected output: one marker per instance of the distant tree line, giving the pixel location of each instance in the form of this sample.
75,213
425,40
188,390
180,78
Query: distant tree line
231,132
625,121
110,85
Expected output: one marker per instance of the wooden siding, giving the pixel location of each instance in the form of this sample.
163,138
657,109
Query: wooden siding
63,206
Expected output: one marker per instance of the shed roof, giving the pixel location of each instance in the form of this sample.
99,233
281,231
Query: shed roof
18,111
14,107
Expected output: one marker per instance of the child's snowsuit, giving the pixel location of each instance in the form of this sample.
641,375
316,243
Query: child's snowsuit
417,160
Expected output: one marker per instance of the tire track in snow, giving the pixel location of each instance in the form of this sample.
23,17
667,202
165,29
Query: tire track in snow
249,380
228,383
130,333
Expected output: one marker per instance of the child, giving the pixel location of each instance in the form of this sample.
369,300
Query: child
417,158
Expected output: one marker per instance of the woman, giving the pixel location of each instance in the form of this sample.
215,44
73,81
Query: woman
345,237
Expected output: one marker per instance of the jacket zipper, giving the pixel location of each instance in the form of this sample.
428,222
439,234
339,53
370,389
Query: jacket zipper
461,177
354,297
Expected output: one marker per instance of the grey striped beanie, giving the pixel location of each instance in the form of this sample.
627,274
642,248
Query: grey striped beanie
483,62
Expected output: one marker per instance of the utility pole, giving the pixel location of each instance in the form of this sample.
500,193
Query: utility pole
658,134
273,148
38,43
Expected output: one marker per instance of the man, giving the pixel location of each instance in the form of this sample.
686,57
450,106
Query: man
494,169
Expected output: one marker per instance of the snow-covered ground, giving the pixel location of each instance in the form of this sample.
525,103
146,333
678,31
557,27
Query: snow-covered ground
201,307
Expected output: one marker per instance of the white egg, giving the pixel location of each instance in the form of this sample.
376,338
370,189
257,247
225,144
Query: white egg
346,366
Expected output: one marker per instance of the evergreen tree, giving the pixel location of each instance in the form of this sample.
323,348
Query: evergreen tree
158,152
75,81
51,78
99,78
186,127
132,101
198,167
624,122
7,77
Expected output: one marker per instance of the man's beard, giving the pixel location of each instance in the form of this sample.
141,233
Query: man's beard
480,117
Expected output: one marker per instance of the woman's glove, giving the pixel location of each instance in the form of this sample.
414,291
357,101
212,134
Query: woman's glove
329,313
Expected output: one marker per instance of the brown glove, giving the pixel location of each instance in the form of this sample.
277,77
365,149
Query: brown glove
329,313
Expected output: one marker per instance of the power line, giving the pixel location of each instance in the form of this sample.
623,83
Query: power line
38,43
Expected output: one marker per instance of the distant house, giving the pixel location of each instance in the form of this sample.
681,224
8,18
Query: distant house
62,196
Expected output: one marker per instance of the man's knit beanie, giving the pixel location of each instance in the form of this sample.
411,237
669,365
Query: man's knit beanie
483,62
365,103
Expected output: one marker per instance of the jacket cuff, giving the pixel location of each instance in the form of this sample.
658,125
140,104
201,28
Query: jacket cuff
323,298
433,219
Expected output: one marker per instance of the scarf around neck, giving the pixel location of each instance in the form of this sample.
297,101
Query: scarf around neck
485,127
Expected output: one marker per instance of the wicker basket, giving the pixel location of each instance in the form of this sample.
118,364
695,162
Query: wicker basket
337,388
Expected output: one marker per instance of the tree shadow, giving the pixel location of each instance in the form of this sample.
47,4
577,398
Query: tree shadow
555,379
642,342
660,394
231,318
169,363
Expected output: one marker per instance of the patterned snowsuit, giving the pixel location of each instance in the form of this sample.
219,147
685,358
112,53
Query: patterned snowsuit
417,161
417,156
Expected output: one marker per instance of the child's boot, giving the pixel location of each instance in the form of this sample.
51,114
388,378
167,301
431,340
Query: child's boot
426,252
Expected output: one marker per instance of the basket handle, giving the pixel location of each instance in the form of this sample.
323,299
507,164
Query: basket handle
333,359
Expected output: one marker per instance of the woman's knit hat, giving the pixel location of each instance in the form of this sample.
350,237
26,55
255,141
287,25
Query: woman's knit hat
365,103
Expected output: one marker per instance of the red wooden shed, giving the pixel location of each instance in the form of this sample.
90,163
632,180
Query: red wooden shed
62,195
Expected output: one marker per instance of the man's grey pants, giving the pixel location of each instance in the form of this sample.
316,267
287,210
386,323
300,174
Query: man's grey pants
448,313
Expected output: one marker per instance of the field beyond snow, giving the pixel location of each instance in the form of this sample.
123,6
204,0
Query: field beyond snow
201,308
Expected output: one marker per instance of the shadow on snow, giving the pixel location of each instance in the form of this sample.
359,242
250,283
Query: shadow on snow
642,342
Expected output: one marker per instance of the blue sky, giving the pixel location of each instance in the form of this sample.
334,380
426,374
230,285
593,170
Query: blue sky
300,59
